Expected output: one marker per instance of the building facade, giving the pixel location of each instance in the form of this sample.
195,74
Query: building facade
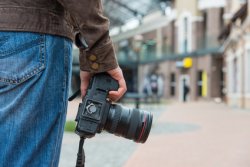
180,45
236,52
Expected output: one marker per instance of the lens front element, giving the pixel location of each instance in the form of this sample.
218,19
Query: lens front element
132,124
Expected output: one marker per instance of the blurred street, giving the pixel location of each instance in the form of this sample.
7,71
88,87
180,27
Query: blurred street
200,134
193,55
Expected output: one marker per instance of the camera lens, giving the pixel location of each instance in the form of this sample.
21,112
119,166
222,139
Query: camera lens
132,124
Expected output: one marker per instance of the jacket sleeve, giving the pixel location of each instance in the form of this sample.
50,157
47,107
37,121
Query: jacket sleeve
94,28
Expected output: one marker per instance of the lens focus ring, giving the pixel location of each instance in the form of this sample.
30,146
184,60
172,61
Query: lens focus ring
133,123
117,115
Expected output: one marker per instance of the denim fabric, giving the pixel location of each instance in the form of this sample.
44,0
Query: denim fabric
34,79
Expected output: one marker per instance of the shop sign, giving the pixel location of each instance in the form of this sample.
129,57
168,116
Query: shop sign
185,63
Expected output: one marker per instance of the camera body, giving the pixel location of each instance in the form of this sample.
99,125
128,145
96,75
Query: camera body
96,113
93,111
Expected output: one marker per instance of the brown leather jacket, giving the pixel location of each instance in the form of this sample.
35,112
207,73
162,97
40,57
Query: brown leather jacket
65,18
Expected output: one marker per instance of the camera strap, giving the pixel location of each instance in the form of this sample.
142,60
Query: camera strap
80,162
72,97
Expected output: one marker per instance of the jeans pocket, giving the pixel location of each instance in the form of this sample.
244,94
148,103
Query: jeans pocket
22,56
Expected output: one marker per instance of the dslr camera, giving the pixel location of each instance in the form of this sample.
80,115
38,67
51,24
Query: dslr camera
96,113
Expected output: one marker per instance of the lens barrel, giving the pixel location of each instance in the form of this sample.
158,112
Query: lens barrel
132,124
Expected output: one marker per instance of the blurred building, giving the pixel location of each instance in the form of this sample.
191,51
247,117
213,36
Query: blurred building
179,40
235,39
200,44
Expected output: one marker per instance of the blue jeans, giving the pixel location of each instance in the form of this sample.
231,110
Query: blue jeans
35,71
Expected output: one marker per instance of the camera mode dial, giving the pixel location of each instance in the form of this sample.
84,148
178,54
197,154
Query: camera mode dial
91,108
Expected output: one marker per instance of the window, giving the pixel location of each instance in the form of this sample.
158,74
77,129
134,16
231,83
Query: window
199,83
221,17
248,70
185,40
242,1
173,36
172,84
150,49
185,33
202,83
202,42
235,75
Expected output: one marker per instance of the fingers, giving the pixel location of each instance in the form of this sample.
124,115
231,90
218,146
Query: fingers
117,75
85,78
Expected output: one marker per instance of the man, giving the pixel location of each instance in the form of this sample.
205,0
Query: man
35,66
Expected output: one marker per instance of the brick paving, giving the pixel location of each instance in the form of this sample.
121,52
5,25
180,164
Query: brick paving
203,134
219,137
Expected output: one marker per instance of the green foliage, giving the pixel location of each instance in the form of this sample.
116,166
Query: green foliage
70,126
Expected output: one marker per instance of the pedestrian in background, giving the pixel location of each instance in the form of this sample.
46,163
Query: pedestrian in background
186,90
35,68
153,87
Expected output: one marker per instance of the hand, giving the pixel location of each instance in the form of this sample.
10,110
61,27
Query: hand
115,73
85,78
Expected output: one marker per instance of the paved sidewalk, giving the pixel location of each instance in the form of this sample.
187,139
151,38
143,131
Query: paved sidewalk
217,136
201,134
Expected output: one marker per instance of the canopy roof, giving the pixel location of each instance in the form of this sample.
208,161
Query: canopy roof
121,11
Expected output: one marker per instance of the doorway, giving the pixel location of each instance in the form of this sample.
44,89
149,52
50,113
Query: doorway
184,88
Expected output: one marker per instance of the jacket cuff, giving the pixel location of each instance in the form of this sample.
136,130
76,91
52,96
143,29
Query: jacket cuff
98,60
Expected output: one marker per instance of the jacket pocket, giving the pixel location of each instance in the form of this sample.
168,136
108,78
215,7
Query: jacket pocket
22,56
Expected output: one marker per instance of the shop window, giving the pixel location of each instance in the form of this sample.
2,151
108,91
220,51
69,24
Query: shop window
199,83
235,75
172,84
202,83
222,84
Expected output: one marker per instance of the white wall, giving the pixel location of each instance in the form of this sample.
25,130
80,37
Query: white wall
204,4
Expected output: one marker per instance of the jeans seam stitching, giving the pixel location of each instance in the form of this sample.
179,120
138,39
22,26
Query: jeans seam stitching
64,91
28,45
35,70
